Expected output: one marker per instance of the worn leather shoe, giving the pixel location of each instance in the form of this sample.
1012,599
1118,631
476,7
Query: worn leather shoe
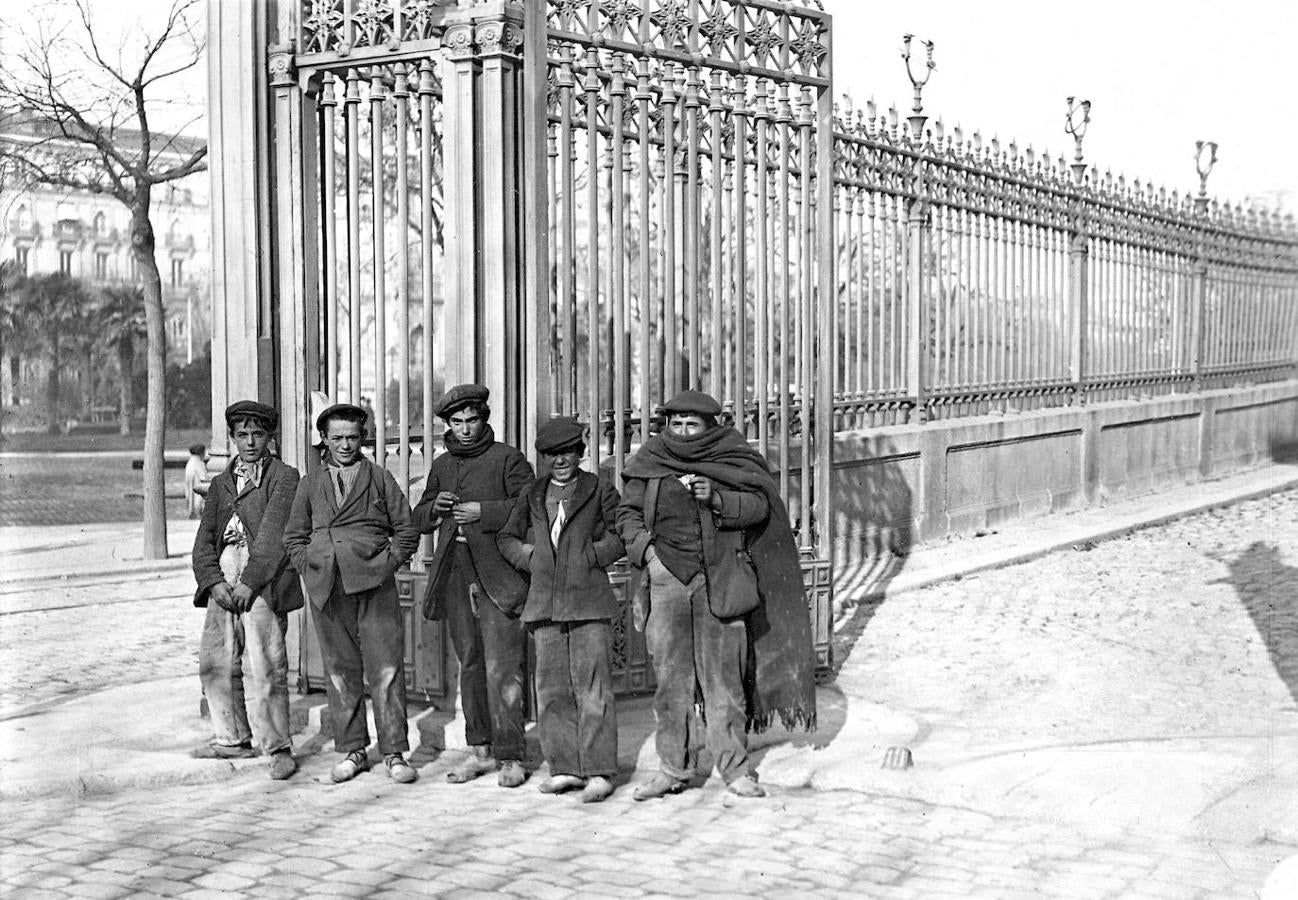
746,787
474,766
223,751
512,774
399,770
597,790
353,764
560,784
657,786
282,765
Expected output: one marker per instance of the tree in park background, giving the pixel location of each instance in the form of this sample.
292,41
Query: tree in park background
98,90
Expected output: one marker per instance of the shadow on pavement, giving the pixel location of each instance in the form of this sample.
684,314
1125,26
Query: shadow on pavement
1266,587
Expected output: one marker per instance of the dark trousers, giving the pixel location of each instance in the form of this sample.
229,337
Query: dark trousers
693,651
362,640
491,648
574,692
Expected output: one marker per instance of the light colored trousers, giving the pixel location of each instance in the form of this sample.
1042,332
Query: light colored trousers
243,665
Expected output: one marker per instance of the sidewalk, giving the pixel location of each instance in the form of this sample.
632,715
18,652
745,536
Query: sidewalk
138,735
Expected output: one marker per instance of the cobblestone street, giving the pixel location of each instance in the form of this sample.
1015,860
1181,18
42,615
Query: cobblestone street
1174,634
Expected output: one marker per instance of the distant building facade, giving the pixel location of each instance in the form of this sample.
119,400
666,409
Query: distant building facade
46,229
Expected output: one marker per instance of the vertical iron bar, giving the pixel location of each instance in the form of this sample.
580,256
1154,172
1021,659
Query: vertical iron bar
426,246
351,115
591,87
617,249
328,198
380,265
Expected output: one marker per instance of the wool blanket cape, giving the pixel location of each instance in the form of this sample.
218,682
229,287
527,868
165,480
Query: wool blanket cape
780,680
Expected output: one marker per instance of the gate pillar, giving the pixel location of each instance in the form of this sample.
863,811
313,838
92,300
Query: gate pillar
243,350
485,321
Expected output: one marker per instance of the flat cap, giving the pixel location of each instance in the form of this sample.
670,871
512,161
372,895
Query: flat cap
559,434
252,409
692,403
461,396
348,411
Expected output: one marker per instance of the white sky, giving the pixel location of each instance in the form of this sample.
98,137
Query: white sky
1159,75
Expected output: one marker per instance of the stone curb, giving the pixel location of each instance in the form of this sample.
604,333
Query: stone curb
143,567
974,562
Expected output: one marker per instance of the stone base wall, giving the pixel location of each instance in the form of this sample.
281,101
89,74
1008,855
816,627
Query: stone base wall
898,486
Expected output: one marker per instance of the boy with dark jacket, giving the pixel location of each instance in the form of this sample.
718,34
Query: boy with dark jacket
245,581
470,490
348,533
563,531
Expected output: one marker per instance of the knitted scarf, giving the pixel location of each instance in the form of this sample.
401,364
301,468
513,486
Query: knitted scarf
781,673
486,437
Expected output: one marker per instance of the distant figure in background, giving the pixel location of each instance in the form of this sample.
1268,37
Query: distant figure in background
195,475
246,583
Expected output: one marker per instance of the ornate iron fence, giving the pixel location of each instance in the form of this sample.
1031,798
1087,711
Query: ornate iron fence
974,277
688,151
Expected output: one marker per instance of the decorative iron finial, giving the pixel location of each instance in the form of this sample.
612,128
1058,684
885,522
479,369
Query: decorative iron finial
1204,168
1079,116
917,118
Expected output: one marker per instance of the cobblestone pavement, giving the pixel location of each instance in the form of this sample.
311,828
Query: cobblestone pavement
372,838
1182,630
62,639
57,489
1185,630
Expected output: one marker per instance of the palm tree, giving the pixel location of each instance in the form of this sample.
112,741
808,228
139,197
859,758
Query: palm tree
122,327
17,328
61,305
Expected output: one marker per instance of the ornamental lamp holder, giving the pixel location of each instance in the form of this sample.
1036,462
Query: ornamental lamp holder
917,117
1204,167
1079,116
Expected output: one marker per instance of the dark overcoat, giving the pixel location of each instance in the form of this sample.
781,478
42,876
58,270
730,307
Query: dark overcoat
363,542
494,479
569,583
263,509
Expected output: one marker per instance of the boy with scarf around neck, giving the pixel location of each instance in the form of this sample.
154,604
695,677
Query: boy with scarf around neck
348,533
563,532
727,617
470,491
245,581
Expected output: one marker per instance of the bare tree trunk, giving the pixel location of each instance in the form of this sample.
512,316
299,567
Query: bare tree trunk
15,374
155,502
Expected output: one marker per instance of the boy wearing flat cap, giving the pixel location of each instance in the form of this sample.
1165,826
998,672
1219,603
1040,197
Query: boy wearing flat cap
246,583
468,496
348,533
704,521
563,531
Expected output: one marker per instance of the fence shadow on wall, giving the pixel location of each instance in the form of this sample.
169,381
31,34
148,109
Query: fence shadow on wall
874,509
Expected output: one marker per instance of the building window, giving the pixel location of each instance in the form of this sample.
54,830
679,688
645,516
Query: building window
177,272
101,266
99,224
65,262
24,218
20,258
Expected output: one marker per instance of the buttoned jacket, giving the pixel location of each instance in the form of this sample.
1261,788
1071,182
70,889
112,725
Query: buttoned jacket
263,509
493,479
569,581
362,541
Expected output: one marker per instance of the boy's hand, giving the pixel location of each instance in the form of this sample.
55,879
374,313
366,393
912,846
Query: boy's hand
242,597
445,500
465,513
224,598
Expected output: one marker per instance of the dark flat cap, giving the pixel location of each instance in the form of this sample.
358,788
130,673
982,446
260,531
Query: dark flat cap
461,396
346,411
244,409
559,434
694,403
